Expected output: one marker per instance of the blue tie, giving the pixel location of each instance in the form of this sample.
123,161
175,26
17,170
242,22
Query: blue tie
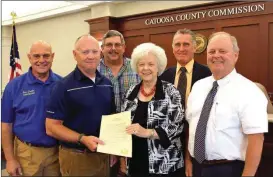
200,134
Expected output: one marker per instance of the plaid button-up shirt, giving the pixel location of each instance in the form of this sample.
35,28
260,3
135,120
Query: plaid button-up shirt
122,82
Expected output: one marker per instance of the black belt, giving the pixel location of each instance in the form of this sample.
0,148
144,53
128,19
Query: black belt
36,145
83,150
214,162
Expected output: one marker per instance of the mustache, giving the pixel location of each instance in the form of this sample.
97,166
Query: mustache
113,51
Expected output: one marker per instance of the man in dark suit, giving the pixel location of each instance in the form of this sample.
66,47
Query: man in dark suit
185,73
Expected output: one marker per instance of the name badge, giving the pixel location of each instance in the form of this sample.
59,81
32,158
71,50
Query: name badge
28,92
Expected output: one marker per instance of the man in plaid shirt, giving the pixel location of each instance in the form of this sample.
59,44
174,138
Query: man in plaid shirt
118,69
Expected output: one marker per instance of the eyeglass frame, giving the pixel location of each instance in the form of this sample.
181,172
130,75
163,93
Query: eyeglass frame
111,45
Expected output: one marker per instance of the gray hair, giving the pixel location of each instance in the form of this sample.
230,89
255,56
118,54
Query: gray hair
143,50
112,33
232,39
187,31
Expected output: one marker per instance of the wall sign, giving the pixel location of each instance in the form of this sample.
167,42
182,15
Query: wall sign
206,14
201,43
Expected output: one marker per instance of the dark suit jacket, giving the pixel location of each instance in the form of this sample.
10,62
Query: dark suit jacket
199,72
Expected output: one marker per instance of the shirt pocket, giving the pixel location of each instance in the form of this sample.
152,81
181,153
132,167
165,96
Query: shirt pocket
225,118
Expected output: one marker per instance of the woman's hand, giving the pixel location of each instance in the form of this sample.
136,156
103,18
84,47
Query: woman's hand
137,130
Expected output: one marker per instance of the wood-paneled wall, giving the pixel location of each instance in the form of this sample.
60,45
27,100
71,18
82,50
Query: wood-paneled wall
254,32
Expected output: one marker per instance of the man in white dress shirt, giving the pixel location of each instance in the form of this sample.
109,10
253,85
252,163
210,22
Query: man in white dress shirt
233,119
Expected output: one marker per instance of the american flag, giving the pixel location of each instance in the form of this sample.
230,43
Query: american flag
15,67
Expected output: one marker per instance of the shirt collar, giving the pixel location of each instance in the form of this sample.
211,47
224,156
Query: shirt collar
222,82
32,79
189,66
80,76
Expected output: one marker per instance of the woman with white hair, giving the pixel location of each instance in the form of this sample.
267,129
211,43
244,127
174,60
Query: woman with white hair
157,116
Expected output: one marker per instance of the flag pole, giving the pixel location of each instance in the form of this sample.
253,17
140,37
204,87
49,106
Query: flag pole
16,69
13,15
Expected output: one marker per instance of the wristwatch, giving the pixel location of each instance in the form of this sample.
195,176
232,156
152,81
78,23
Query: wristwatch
79,138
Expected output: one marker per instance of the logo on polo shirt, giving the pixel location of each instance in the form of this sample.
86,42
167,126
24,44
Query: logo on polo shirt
29,92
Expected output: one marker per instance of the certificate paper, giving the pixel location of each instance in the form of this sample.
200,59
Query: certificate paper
113,134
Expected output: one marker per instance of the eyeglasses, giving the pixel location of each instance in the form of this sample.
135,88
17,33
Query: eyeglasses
45,56
110,45
87,52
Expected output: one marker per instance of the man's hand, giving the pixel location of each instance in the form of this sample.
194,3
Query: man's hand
188,167
91,142
13,168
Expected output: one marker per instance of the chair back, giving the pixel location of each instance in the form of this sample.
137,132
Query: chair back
269,105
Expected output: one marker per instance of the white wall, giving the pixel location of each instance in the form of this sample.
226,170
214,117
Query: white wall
6,43
61,32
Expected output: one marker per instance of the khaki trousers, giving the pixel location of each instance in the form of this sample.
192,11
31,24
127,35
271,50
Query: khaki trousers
83,163
37,161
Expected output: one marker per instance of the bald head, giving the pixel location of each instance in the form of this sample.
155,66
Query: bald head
87,54
83,39
40,44
40,57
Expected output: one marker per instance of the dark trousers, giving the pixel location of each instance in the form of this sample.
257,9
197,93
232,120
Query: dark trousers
114,169
178,173
229,169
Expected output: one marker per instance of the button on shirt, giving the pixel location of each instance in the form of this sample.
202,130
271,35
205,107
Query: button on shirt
23,104
239,108
80,103
122,82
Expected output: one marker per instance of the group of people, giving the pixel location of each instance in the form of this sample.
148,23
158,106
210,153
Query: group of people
187,120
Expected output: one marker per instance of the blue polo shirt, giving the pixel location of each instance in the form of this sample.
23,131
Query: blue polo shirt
80,103
23,104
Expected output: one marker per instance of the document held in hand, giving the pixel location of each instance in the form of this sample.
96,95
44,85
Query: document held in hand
113,134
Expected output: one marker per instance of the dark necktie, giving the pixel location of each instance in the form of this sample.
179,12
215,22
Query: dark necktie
182,85
200,133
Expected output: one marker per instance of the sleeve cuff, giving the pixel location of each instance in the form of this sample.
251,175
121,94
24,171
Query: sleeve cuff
53,115
163,138
255,131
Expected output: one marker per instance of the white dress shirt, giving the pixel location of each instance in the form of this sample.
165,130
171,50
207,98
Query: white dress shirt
239,108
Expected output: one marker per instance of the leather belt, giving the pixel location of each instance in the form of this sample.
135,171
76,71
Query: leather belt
85,150
213,162
36,145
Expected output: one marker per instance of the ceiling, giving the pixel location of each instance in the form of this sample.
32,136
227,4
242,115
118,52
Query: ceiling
31,10
35,10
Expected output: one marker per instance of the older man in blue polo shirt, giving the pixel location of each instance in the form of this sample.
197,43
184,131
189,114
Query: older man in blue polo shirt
32,152
74,113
